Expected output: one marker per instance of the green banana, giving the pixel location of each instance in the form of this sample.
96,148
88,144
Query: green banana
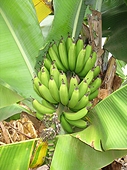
79,45
95,84
44,76
39,116
55,73
47,104
53,88
63,77
83,87
42,109
45,93
77,115
47,62
82,102
96,71
63,54
39,74
66,126
73,83
54,56
80,61
36,90
69,42
89,77
74,98
93,95
63,92
88,53
55,48
89,65
78,123
36,82
72,57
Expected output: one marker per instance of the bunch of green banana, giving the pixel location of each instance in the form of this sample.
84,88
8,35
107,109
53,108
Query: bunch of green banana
68,78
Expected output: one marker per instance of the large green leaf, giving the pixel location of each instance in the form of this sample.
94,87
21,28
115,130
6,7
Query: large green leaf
72,154
20,40
115,27
68,18
16,156
8,96
108,129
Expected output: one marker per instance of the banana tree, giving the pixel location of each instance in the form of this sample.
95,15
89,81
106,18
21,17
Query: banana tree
22,47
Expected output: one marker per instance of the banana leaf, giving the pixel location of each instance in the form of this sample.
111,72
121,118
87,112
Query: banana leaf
72,154
115,27
8,96
16,155
20,40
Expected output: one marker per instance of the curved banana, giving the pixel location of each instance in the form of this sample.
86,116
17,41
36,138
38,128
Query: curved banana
63,92
94,95
45,93
44,76
47,104
74,98
66,126
77,115
63,54
78,123
89,77
36,90
89,65
39,74
80,61
53,88
36,82
95,84
69,42
88,53
55,48
55,73
79,45
73,83
82,102
54,56
62,77
42,109
83,87
72,57
47,63
96,71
